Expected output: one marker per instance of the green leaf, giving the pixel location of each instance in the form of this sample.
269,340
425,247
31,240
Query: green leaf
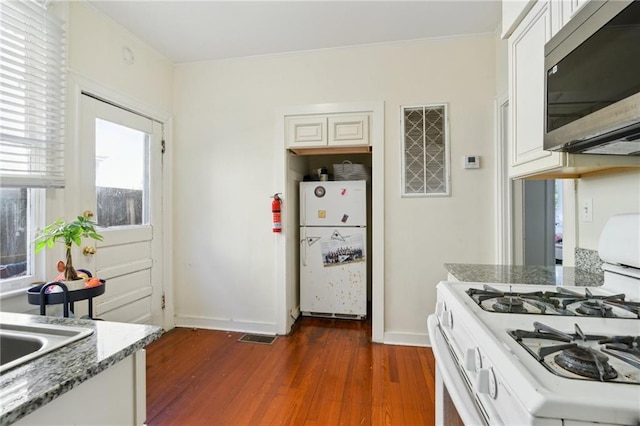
40,245
69,233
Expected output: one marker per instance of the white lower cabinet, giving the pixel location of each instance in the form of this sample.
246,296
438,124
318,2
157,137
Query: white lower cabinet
332,130
116,396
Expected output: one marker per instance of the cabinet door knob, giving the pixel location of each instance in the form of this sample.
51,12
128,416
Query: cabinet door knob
89,251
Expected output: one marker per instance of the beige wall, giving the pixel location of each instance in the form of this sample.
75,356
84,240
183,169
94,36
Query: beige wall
611,194
95,55
96,52
225,113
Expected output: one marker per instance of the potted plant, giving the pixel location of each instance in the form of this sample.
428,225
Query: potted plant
68,233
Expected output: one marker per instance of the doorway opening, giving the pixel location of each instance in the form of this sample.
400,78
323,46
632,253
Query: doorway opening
290,170
559,222
335,249
542,222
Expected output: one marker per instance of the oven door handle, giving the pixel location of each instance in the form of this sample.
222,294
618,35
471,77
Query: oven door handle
453,380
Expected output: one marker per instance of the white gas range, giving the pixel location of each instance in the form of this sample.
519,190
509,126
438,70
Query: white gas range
544,355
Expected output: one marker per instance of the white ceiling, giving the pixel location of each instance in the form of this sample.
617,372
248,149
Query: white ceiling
188,31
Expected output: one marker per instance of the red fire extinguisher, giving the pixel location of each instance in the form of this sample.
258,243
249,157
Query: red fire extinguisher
275,209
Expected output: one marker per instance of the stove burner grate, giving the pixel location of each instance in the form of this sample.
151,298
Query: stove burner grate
509,304
586,362
578,355
563,302
594,308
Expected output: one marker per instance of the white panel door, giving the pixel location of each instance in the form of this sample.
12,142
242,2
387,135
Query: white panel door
333,271
120,164
334,203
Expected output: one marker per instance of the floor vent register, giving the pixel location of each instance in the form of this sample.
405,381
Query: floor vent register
257,338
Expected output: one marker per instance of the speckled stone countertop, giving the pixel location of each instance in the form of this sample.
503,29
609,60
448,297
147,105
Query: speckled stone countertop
510,274
28,387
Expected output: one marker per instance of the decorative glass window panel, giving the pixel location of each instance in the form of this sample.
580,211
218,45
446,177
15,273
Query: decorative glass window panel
425,151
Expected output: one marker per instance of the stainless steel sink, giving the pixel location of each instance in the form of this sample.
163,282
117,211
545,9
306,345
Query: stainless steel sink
22,343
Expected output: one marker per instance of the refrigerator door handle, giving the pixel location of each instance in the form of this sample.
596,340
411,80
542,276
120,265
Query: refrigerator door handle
303,243
303,208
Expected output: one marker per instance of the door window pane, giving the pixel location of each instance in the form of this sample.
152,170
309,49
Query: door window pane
122,170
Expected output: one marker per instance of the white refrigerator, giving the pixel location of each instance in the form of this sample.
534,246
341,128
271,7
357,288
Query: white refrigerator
333,243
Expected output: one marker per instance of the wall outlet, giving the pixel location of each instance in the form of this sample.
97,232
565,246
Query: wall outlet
587,210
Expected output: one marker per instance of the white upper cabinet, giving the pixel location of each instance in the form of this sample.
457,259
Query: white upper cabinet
526,91
527,156
307,131
568,8
349,130
332,130
513,12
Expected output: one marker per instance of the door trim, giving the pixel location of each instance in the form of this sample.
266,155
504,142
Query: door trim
282,174
504,186
77,84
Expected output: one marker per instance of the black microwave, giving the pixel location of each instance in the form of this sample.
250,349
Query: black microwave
592,81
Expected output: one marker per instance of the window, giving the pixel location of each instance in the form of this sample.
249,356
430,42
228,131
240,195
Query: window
14,248
425,151
32,105
19,215
122,187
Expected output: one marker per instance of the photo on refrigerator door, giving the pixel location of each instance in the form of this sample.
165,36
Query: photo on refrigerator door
341,249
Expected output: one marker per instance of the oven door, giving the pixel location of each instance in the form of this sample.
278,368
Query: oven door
449,380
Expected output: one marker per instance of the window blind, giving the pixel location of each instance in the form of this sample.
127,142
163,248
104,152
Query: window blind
32,95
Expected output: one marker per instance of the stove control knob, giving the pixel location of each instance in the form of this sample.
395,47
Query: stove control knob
447,319
478,359
441,307
472,360
487,383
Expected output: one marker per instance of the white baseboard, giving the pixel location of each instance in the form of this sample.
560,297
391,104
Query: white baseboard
406,339
295,312
225,324
390,338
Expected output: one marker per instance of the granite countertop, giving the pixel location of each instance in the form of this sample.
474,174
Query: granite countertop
28,387
511,274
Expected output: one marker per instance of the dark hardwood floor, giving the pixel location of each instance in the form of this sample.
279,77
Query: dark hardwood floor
327,372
